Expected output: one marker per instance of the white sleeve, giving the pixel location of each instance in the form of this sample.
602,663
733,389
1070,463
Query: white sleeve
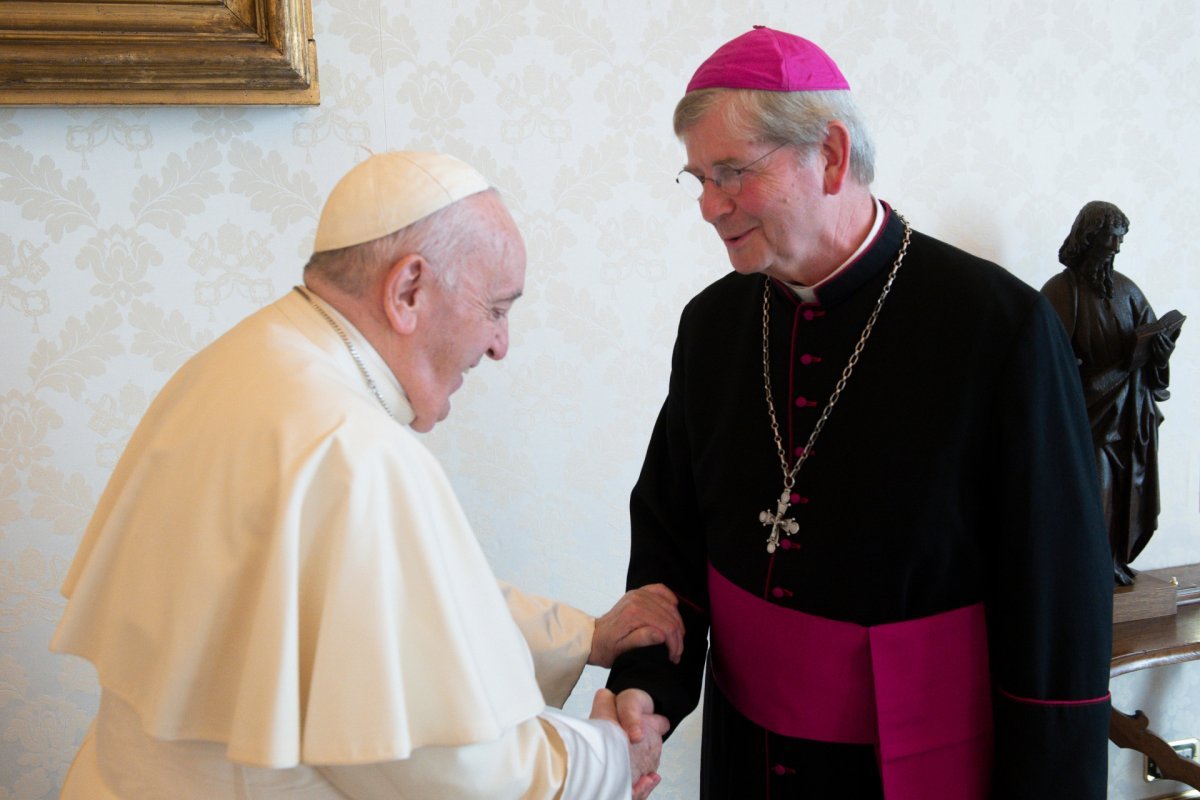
546,758
559,637
597,757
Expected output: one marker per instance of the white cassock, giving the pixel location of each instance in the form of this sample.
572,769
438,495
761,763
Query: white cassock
283,598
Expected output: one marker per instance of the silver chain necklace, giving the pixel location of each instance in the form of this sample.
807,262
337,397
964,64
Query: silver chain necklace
779,524
349,346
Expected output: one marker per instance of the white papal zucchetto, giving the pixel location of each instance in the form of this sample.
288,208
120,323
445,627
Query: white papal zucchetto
391,191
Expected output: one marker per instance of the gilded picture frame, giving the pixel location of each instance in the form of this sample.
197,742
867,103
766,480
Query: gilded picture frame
153,52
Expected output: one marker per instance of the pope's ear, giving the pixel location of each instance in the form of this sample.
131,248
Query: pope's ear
404,292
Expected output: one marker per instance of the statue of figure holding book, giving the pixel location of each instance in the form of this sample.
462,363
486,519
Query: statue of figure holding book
1123,352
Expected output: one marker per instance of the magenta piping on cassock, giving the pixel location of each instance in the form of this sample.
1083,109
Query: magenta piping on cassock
919,690
690,604
1033,701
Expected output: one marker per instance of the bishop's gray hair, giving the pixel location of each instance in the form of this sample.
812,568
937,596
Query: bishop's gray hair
797,118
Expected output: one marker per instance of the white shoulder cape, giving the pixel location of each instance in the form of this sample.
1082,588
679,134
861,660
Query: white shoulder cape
279,566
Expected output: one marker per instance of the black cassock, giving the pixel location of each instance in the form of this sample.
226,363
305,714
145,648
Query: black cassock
955,473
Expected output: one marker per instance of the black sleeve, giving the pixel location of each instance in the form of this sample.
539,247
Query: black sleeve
667,546
1050,590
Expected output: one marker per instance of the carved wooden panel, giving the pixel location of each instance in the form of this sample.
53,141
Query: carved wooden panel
179,52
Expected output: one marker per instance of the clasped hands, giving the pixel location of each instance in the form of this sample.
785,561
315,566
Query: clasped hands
633,710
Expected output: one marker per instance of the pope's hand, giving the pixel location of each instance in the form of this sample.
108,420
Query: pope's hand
641,617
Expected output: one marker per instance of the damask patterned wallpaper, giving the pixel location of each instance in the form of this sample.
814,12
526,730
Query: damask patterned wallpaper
132,237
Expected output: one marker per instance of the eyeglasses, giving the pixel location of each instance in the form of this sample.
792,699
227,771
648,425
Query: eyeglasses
727,179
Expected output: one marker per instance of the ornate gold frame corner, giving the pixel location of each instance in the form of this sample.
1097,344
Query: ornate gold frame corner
152,52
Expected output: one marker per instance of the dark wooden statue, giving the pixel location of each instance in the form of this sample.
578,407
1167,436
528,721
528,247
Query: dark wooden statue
1123,350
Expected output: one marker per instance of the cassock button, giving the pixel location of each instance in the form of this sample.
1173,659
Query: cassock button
779,593
799,451
787,544
809,358
798,499
804,402
780,769
809,314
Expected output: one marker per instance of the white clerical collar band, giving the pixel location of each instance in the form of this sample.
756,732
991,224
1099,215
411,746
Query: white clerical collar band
808,294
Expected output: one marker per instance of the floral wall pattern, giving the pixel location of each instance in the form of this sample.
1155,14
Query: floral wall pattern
131,237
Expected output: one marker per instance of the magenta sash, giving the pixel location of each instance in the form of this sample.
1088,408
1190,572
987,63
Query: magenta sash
919,690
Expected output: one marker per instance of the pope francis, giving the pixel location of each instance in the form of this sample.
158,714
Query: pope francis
279,590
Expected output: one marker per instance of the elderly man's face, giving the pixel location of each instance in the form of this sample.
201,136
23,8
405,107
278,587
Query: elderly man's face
466,322
773,224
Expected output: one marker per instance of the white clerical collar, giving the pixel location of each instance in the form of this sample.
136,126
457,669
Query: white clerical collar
808,294
382,379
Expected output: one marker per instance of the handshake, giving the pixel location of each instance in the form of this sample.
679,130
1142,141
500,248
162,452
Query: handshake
633,710
644,616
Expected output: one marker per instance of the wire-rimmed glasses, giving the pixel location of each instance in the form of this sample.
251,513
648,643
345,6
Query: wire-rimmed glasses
726,178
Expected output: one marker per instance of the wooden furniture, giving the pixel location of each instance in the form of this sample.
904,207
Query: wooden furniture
1155,641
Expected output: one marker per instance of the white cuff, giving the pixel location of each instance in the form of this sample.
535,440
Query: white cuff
597,757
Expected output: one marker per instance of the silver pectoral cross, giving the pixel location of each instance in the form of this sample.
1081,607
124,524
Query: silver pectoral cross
777,521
